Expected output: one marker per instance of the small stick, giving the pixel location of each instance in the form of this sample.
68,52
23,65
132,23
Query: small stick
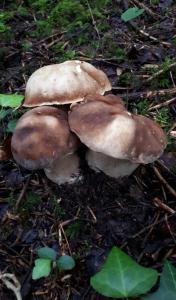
148,94
143,230
166,103
153,38
150,226
169,228
63,232
93,20
161,178
50,37
11,283
92,214
64,223
171,76
161,72
142,31
23,191
162,205
148,10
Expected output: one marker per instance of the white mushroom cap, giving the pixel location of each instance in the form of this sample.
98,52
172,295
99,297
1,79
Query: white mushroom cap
111,166
106,126
68,82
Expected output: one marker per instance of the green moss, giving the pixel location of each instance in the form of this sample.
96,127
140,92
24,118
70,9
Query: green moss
142,107
163,118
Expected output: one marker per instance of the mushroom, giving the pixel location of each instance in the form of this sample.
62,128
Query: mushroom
120,141
42,140
64,83
111,166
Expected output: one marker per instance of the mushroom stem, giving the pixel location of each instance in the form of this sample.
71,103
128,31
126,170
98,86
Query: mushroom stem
65,169
112,167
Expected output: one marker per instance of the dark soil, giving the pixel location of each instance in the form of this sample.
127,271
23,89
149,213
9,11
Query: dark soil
89,217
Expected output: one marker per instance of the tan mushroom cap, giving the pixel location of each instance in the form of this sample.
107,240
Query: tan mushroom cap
64,83
107,127
41,136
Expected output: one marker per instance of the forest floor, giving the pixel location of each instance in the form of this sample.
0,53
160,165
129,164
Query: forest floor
88,218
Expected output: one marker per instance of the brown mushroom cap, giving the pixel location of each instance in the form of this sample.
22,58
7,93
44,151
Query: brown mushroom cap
41,136
107,127
68,82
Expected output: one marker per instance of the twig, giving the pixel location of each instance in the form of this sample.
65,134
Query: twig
169,228
147,236
23,191
153,38
54,42
150,226
143,230
148,10
166,103
172,79
161,178
161,72
12,283
63,232
92,214
49,37
148,94
64,223
162,205
93,20
142,32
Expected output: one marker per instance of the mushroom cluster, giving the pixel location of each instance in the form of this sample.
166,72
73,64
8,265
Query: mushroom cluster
48,137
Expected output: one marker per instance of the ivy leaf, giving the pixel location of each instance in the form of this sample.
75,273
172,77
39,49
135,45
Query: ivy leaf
4,113
131,13
167,287
12,100
47,252
65,262
42,268
122,277
11,125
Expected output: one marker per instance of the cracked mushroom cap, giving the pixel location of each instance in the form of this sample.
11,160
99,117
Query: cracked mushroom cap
64,83
41,136
104,125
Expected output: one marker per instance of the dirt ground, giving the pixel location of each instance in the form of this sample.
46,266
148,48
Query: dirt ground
136,213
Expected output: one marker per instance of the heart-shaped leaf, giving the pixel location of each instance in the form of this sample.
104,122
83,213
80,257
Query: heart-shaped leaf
42,268
47,252
12,100
65,262
122,277
167,287
11,125
131,14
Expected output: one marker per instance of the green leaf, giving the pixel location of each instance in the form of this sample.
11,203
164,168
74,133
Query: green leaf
131,14
47,252
167,287
11,125
65,262
42,268
4,113
11,100
122,277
